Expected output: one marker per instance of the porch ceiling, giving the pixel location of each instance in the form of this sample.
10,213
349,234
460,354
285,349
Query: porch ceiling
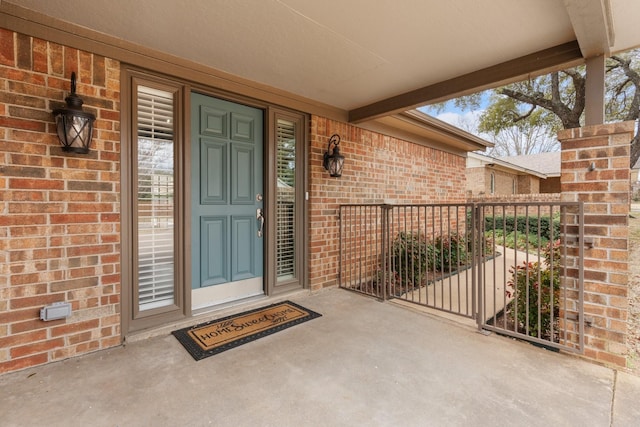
369,58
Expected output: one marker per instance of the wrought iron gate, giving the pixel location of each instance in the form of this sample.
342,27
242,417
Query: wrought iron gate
515,268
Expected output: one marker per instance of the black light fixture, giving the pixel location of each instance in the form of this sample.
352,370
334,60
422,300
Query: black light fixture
333,162
74,126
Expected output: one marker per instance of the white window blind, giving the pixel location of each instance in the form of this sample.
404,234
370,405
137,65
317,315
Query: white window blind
285,200
155,198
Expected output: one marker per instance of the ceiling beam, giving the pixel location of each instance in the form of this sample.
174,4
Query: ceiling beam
537,63
592,24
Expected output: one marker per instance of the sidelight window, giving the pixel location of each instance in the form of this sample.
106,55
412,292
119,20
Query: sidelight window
285,200
155,198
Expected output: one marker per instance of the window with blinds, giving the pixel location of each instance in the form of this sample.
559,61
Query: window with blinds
155,198
285,200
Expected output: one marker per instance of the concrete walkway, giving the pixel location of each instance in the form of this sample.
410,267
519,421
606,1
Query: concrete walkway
454,293
364,363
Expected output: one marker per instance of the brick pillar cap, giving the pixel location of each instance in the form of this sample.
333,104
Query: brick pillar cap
597,130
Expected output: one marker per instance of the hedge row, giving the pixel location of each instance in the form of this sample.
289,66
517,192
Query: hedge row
524,224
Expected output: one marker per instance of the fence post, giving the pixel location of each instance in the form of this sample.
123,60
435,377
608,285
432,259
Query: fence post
477,283
385,265
340,246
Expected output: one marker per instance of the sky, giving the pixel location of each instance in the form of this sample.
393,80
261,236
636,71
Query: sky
466,119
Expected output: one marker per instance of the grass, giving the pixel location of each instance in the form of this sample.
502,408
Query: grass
513,240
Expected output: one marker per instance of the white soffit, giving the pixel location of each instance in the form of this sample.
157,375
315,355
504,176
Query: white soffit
345,53
624,18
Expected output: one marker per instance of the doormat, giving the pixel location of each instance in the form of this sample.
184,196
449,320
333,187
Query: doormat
213,337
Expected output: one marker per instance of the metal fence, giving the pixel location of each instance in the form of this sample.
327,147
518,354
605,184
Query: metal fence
516,268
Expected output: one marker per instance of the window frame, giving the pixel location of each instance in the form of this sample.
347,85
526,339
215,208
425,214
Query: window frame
301,122
132,318
492,183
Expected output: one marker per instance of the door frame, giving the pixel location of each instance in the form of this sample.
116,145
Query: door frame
183,200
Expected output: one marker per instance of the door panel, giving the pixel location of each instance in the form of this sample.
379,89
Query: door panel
227,250
243,180
213,175
213,267
243,262
213,122
243,127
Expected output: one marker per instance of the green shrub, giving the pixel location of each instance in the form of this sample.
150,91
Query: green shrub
413,256
509,223
535,288
410,255
453,252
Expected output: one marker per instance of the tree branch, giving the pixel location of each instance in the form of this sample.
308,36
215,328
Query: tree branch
518,118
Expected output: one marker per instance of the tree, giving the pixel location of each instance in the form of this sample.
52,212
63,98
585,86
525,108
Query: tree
623,101
557,101
526,137
512,137
522,140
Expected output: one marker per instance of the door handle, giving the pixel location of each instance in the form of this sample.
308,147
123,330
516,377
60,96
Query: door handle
260,217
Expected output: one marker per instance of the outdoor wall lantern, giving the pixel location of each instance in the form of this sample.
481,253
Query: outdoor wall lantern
333,162
74,126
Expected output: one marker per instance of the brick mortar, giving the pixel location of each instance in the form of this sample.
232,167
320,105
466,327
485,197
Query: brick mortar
605,192
59,229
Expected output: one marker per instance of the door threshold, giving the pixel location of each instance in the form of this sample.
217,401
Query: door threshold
244,304
211,313
228,305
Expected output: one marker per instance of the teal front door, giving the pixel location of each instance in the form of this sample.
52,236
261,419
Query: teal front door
226,201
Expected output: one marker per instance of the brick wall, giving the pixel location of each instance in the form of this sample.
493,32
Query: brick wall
550,185
479,182
605,191
476,181
515,198
503,181
59,221
378,169
528,184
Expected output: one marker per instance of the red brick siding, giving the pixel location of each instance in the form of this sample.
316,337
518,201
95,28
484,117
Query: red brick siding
60,220
476,181
503,181
550,185
515,198
528,184
518,198
605,192
378,169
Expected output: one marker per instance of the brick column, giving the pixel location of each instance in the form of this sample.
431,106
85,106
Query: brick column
595,170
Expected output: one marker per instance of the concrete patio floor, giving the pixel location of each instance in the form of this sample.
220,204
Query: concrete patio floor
363,363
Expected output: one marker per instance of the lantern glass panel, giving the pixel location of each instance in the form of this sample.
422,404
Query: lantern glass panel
74,131
335,166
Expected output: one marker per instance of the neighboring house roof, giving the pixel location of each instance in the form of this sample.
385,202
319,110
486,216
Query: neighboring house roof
546,163
350,62
476,160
